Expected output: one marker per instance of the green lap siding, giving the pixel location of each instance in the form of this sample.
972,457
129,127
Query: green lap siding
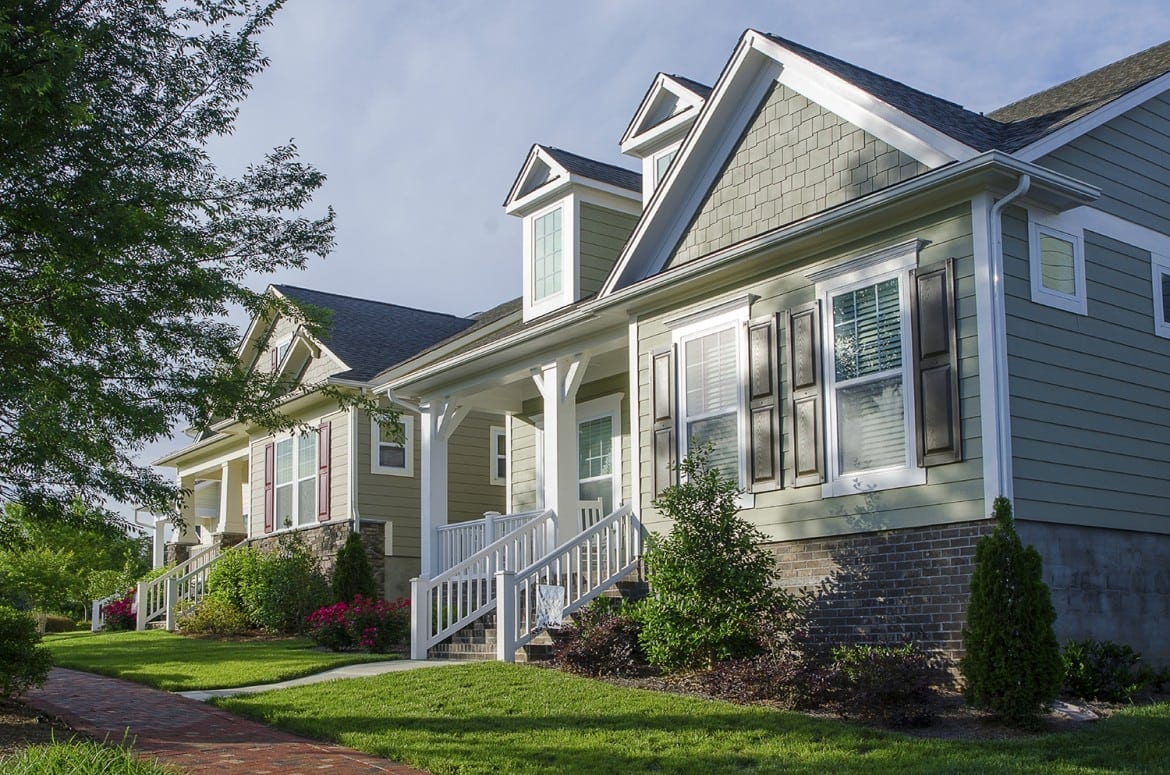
952,493
1088,393
603,233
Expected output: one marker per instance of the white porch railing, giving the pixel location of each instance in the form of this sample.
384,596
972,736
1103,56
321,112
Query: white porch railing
461,540
158,597
97,619
585,567
443,605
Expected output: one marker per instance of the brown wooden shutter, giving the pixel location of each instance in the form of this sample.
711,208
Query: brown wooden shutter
936,362
764,409
662,413
269,486
805,385
324,451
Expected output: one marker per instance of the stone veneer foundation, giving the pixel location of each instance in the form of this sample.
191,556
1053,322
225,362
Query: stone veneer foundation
325,541
886,587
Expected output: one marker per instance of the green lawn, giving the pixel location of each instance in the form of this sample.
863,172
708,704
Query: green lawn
176,663
491,718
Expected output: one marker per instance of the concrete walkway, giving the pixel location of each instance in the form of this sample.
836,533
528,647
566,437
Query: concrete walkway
349,671
191,735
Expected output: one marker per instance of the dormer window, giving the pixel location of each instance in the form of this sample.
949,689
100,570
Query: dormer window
662,164
547,254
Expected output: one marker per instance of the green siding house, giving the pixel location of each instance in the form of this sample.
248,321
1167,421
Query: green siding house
883,310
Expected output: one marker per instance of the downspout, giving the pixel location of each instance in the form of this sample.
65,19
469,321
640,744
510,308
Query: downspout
355,514
1003,445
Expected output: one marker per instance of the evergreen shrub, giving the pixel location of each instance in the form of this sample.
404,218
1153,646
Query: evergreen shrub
1012,665
1104,670
352,575
711,584
23,663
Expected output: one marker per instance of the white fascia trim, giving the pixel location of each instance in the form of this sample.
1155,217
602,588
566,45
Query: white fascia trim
992,360
857,106
1091,121
535,154
635,135
407,445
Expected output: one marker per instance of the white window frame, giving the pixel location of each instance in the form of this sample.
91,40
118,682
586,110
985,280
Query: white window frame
606,406
652,169
495,433
859,273
407,469
1067,230
286,343
730,315
532,306
1159,266
295,517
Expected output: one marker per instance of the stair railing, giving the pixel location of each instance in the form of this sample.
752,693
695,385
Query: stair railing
456,542
584,567
152,598
443,605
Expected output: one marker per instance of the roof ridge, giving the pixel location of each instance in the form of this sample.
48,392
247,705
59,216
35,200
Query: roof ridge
279,286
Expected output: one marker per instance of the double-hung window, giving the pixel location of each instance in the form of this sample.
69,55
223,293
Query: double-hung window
392,447
869,378
295,480
712,390
599,451
547,255
498,455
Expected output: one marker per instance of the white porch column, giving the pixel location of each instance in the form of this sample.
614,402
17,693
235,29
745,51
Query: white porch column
187,511
437,421
558,383
159,555
231,497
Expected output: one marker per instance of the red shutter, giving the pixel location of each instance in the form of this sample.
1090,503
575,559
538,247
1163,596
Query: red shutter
274,361
269,486
323,477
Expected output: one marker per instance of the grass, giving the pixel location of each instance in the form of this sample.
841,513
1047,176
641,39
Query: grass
173,662
489,718
77,757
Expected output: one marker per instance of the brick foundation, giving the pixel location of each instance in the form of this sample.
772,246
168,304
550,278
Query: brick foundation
886,587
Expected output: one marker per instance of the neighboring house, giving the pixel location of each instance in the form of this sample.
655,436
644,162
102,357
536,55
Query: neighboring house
348,472
882,309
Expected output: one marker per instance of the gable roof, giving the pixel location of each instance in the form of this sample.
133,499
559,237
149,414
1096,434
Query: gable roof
596,170
369,336
1028,120
701,89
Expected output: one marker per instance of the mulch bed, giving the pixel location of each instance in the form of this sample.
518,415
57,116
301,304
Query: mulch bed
21,726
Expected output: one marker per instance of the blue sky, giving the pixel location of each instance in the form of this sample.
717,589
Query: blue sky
421,113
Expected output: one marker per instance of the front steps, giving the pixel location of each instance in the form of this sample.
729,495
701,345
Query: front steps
477,641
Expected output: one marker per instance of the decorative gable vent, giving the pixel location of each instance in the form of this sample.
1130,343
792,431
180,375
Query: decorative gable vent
577,215
666,114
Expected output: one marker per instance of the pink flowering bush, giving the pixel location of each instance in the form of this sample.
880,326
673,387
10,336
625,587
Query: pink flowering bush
366,624
119,614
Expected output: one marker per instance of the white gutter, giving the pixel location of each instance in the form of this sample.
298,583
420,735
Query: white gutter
355,514
1003,438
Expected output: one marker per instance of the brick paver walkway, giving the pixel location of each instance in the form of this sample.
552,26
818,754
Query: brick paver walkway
190,735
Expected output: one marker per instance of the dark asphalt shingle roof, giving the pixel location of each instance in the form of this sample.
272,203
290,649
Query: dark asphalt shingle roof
701,89
596,170
373,335
1014,126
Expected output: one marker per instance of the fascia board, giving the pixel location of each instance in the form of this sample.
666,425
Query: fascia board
514,200
662,134
634,135
860,108
1091,121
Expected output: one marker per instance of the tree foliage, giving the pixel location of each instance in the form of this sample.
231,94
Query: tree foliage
711,584
123,247
1012,664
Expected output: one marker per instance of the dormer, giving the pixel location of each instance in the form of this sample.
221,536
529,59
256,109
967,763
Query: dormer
663,119
577,214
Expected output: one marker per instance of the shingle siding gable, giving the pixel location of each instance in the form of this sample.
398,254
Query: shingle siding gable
794,159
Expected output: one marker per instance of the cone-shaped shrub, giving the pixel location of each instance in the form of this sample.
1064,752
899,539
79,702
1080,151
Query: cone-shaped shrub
353,576
1012,665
